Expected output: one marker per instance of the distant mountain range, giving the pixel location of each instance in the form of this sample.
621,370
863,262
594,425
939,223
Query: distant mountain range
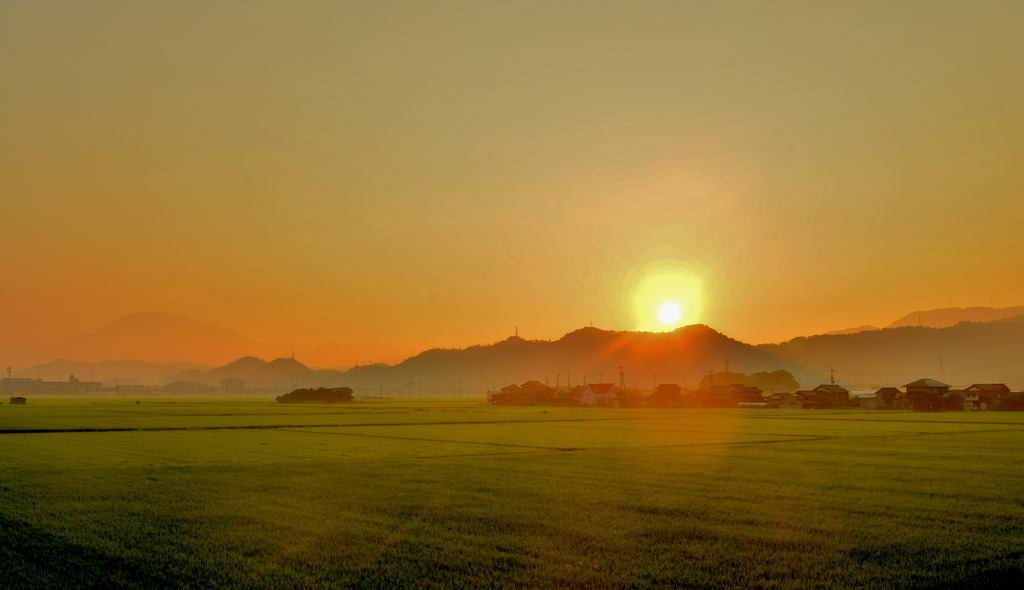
959,354
166,337
943,318
108,372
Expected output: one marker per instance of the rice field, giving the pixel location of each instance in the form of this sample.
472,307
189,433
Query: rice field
254,494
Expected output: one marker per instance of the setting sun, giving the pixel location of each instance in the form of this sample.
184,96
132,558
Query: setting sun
669,313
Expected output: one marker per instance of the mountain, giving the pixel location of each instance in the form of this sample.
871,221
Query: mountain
148,373
682,356
256,372
852,330
151,336
167,337
951,316
959,355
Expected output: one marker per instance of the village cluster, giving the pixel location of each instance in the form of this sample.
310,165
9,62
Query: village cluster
926,395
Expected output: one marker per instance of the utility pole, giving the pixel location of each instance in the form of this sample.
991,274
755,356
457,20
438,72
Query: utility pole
726,365
832,378
622,379
558,380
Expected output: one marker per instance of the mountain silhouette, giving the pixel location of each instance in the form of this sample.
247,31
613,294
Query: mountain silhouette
148,373
682,356
150,336
951,316
168,337
959,355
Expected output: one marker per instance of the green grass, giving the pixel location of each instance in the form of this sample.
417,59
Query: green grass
252,494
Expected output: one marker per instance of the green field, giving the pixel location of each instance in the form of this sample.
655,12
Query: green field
253,494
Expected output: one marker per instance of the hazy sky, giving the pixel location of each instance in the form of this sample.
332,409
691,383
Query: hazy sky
435,173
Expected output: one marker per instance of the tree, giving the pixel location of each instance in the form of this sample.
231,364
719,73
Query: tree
321,394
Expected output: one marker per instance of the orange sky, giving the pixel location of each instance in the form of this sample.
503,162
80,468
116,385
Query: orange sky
433,174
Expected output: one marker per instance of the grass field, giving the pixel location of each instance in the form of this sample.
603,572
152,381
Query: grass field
252,494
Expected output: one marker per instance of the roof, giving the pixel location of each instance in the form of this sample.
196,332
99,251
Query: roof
987,387
601,388
866,396
889,390
837,389
926,383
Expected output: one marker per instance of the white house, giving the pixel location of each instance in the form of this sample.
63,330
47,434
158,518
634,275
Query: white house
601,394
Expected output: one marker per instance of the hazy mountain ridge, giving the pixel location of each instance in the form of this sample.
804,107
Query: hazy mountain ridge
951,316
167,337
681,356
144,372
961,354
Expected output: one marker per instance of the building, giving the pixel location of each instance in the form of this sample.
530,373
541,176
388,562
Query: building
979,397
531,393
726,396
926,394
71,386
886,397
600,394
977,402
792,401
867,400
17,401
666,394
992,390
572,396
831,396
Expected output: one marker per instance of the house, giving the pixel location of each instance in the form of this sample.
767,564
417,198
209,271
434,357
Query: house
886,396
572,396
233,384
721,396
979,397
926,394
992,390
530,393
17,401
792,401
977,402
866,400
666,394
600,394
830,396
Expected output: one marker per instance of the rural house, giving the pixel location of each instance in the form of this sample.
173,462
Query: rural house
17,401
993,390
886,396
979,397
666,394
926,394
719,396
600,394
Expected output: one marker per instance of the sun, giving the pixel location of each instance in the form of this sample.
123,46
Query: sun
667,294
670,313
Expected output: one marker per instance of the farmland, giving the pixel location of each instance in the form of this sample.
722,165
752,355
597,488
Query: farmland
252,494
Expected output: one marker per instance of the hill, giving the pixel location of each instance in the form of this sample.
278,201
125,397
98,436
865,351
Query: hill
148,373
681,356
951,316
959,355
151,336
